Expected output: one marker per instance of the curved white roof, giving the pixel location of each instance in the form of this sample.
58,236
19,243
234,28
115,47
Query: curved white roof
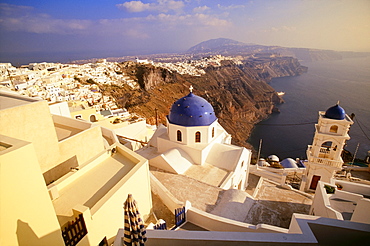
274,158
289,163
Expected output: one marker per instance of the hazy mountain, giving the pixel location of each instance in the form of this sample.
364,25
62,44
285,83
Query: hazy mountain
216,44
231,47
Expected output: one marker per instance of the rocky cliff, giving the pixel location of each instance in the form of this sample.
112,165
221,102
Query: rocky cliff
273,67
239,93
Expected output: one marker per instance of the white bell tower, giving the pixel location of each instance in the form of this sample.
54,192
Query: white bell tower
324,155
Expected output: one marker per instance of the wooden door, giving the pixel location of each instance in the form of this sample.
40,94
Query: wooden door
314,181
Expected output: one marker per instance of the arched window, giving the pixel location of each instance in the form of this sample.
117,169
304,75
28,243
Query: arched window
213,132
179,136
325,149
327,144
334,129
197,137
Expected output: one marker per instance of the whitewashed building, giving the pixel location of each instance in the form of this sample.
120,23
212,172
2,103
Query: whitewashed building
324,155
196,145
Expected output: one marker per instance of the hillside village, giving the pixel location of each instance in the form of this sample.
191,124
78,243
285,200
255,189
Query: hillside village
56,82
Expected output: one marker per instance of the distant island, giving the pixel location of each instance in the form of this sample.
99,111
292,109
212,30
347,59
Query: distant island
229,47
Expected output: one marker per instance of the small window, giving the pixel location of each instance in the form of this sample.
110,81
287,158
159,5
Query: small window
197,137
213,132
334,129
179,136
93,118
78,116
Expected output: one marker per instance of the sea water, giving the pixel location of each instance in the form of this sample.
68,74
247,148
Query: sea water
287,134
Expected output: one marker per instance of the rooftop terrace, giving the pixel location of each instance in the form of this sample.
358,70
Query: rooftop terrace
92,185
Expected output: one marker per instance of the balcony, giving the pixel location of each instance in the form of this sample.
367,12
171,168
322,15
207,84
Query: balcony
323,161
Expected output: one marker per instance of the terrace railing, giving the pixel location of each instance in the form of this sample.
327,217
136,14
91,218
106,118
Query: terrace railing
74,231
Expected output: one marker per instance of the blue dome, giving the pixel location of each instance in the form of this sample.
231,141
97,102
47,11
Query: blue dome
336,113
192,110
289,163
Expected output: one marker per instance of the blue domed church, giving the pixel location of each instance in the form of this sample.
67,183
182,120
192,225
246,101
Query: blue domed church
324,155
196,145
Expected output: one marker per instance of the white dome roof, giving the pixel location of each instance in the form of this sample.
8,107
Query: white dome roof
274,158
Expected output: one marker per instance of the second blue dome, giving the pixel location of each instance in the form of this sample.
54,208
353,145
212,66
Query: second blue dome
336,113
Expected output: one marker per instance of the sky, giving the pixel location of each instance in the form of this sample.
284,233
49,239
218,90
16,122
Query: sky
72,29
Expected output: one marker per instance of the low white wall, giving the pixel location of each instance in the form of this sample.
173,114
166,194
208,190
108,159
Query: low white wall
267,174
300,233
321,204
213,222
83,169
258,187
70,122
354,187
109,134
347,196
185,238
227,183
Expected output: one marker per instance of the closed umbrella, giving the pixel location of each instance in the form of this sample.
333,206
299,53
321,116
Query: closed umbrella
134,226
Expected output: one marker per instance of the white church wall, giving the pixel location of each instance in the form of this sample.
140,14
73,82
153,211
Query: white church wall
174,161
361,213
191,131
172,132
198,152
224,156
165,144
188,133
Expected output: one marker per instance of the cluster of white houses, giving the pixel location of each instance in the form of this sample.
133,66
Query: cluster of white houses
58,169
57,82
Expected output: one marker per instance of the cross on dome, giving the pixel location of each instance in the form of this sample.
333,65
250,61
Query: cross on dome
191,110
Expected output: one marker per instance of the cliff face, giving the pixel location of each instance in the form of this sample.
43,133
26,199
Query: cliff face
239,93
269,68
